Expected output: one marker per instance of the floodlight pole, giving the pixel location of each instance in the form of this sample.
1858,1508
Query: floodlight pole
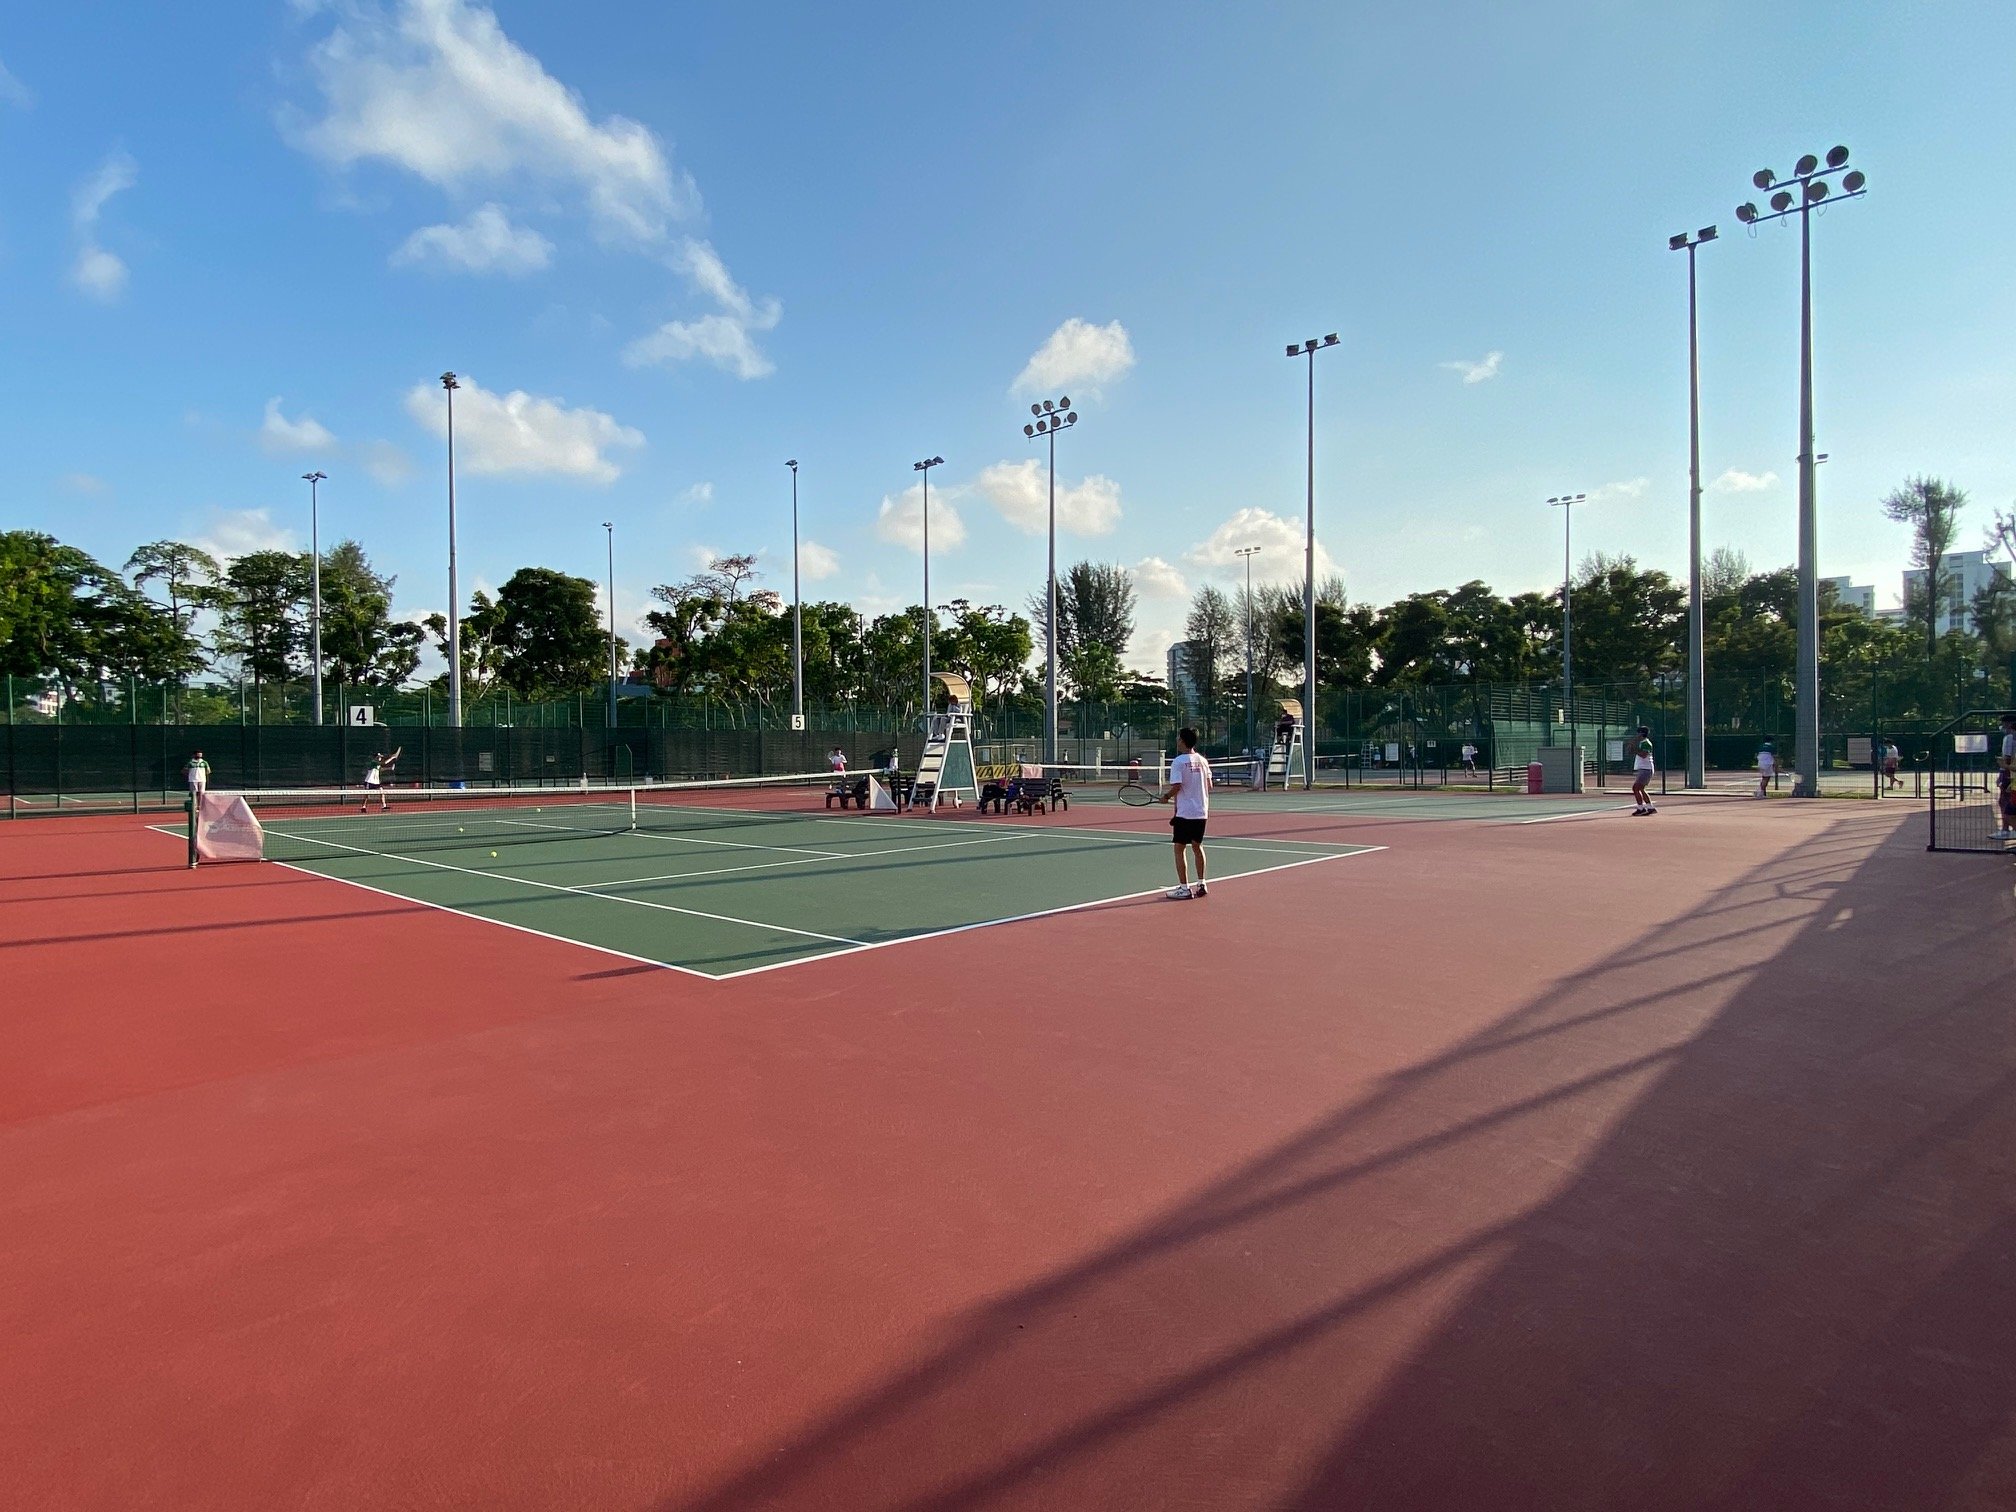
925,467
1309,348
1697,697
449,383
1249,552
797,613
1051,417
609,529
315,603
1566,504
1811,179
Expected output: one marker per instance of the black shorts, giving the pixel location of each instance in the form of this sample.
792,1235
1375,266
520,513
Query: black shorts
1187,831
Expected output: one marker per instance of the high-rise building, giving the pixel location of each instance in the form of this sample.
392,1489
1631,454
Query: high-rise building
1966,573
1854,595
1182,674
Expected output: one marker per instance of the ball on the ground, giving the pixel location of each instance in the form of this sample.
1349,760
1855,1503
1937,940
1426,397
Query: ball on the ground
493,855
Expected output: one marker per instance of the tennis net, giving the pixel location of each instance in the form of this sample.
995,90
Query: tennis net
293,824
1094,780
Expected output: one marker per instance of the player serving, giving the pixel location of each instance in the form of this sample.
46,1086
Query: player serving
378,777
1190,788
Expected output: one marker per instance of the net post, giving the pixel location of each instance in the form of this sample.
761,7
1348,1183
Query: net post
191,801
633,808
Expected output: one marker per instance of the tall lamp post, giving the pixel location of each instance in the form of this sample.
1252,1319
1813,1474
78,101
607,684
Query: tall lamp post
1566,504
609,530
1807,188
315,603
449,383
1697,696
1249,552
797,614
925,467
1310,348
1050,419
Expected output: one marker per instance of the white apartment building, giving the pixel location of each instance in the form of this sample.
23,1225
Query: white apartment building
1968,572
1854,595
1182,677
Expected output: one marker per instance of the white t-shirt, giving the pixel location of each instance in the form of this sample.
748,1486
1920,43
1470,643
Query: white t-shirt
1190,775
837,761
1766,760
198,774
2009,747
374,778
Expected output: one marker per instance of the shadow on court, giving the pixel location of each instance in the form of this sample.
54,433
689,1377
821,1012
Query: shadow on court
1724,1220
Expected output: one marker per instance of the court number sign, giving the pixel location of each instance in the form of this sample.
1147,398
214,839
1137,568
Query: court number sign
361,714
797,721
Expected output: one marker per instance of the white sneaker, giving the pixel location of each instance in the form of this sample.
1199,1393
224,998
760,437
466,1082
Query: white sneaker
2005,834
1197,890
1180,890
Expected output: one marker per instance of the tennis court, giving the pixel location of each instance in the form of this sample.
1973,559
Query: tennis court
722,880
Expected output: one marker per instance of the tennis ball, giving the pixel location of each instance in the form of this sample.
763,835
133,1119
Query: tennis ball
493,855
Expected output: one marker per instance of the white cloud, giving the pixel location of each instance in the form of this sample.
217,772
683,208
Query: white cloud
816,563
1281,542
388,465
1628,488
484,242
436,88
81,483
279,435
1077,352
1021,492
516,433
1735,480
1157,579
229,533
900,521
727,339
14,92
99,273
700,495
1480,371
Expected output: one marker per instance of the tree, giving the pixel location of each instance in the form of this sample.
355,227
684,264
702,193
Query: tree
1095,625
1628,622
1723,572
481,635
361,643
1931,507
188,576
552,642
987,646
65,614
1214,634
260,604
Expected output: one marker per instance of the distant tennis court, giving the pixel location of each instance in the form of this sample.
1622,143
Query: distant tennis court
722,880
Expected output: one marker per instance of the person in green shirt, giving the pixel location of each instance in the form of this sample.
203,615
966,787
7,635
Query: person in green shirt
1641,772
197,775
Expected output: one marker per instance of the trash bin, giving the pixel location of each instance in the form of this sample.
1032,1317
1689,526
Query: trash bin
1536,778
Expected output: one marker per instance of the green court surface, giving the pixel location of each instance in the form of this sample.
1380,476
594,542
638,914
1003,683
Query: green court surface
724,893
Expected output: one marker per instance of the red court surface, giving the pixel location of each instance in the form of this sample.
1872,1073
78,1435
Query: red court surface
1608,1163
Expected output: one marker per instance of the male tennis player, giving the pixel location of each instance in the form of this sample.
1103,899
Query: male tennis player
1767,768
197,775
1641,772
1190,788
378,778
2006,778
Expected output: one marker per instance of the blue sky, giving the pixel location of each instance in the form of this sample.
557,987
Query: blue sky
670,246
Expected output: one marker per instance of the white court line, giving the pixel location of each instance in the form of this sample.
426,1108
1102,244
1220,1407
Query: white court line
812,860
1082,831
1041,913
853,947
667,836
470,871
1585,813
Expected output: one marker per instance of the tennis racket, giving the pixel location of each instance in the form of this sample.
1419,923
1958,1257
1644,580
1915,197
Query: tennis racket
1134,795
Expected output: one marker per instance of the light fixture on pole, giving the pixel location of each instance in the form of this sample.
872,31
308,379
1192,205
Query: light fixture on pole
797,614
609,529
1566,504
1249,552
1050,419
1807,188
1697,698
1309,348
315,602
449,383
925,467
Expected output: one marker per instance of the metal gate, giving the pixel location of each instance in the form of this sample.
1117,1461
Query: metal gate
1965,768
